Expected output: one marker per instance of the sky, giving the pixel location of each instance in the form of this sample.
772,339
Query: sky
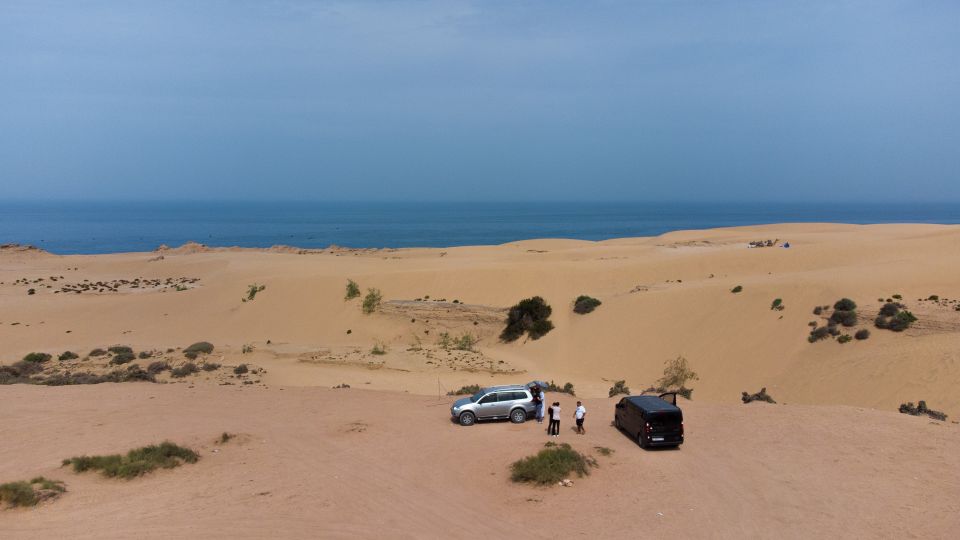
481,100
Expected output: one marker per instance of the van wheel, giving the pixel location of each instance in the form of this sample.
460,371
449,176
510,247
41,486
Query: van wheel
518,416
467,419
640,440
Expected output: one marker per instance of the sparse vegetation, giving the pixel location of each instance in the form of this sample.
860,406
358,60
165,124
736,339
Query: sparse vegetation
465,342
862,334
246,349
122,358
817,310
37,357
30,493
120,349
225,437
845,304
68,355
762,395
143,355
845,338
818,334
157,367
737,289
210,366
200,347
603,450
846,318
619,387
353,290
444,340
131,374
241,369
777,304
252,291
136,462
467,390
676,374
371,301
532,316
585,304
550,465
187,369
921,409
893,317
567,388
97,352
379,349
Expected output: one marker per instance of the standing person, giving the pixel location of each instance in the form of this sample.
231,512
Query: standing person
579,415
555,419
538,401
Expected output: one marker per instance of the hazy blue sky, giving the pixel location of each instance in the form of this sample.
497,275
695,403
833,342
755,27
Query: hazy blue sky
489,100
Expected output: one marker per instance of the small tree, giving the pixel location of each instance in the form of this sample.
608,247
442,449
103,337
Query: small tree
677,373
353,290
619,387
531,316
371,301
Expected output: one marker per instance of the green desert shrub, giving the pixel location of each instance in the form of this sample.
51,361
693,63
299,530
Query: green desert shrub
200,347
353,290
532,316
371,301
603,450
777,304
467,390
158,367
933,297
619,387
68,355
29,493
817,310
122,358
187,369
143,355
444,340
132,374
585,304
252,290
844,338
97,352
737,289
241,369
890,309
550,465
210,366
120,349
379,349
846,318
37,357
136,462
845,304
465,342
817,334
898,297
862,334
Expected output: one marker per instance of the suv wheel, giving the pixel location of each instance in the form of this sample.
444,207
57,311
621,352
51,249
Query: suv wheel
518,416
467,419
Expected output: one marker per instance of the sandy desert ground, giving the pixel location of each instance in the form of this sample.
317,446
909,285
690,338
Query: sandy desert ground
833,458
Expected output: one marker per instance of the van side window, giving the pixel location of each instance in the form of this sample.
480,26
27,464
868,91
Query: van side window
489,398
510,396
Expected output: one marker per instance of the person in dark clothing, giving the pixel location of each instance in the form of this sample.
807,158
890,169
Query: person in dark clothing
538,401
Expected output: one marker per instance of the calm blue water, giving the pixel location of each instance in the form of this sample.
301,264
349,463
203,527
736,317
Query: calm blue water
84,227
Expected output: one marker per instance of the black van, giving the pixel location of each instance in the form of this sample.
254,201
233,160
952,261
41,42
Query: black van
652,420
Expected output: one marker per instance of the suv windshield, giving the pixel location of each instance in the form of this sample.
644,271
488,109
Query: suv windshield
477,396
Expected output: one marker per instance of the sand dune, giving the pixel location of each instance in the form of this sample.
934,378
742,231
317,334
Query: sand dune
320,463
832,459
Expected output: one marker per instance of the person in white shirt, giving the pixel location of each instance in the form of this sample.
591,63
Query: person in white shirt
554,427
578,415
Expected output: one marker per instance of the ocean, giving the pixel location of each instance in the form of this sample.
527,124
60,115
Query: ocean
110,227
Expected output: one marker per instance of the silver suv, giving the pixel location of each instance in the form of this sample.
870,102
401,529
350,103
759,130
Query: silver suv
514,402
